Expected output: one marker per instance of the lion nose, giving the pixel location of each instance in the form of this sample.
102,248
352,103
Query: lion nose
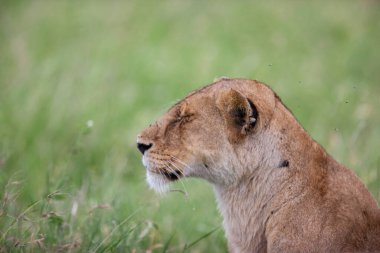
144,147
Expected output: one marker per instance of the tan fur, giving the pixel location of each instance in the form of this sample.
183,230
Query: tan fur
309,204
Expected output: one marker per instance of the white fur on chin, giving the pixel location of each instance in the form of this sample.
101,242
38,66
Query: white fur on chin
157,182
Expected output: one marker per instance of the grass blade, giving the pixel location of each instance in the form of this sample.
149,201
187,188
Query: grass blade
188,246
167,243
113,230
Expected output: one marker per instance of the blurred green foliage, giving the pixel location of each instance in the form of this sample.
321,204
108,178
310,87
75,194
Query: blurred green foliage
80,79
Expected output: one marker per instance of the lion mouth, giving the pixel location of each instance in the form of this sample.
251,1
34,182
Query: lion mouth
173,175
158,180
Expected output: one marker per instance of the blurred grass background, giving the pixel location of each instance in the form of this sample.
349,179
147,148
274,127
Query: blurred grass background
80,79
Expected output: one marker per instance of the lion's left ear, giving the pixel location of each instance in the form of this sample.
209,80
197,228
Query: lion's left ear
239,113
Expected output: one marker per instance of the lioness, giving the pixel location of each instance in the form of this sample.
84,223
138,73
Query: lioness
277,189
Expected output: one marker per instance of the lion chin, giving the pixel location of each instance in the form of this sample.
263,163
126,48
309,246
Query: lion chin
159,180
158,183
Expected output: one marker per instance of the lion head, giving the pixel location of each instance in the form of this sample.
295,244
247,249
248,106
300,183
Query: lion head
209,134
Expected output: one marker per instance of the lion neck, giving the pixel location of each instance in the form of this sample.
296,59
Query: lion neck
247,205
245,209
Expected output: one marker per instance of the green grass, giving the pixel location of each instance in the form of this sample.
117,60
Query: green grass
71,187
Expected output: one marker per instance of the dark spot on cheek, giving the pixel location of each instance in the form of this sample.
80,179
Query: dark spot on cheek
205,164
284,163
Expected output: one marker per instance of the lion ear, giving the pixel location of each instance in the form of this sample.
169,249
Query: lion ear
239,113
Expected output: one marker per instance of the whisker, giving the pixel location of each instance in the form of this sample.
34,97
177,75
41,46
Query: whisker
212,161
180,161
174,165
178,190
178,176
